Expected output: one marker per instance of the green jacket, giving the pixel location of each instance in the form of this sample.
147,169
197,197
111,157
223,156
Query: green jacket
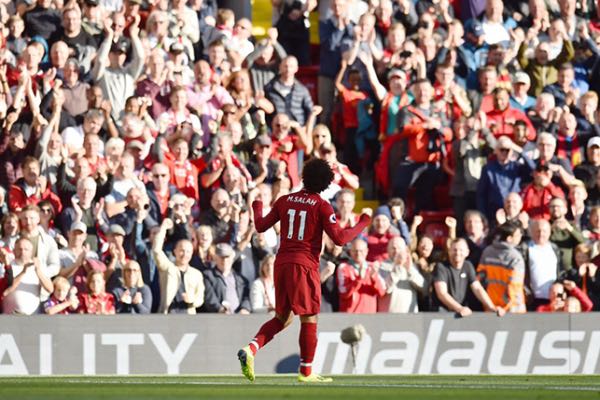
566,242
543,75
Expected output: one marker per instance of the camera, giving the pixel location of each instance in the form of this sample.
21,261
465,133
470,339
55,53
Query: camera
436,142
563,295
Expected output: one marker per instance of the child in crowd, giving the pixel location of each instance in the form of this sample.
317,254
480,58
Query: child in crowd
97,300
64,298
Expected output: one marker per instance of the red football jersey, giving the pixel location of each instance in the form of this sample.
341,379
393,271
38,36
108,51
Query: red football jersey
304,216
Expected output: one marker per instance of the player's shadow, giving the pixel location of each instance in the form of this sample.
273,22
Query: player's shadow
288,365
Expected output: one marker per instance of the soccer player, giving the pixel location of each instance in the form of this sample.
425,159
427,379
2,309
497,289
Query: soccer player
304,216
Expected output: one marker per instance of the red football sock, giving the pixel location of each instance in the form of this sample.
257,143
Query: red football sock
308,345
265,334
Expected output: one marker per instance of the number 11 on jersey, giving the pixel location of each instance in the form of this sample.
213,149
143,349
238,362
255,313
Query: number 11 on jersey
292,214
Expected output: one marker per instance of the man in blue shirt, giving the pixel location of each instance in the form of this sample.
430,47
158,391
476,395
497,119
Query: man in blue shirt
472,53
501,176
565,89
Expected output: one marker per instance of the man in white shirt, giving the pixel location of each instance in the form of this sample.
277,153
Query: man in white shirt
73,136
542,262
30,276
45,248
125,180
403,280
493,23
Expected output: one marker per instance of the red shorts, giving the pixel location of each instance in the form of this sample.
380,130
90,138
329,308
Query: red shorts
297,289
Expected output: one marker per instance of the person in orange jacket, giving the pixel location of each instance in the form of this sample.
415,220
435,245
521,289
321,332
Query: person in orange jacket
427,131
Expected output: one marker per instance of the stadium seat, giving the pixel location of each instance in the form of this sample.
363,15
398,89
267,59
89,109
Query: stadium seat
433,225
309,77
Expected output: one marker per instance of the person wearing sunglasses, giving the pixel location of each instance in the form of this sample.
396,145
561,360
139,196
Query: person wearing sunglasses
133,296
160,191
537,195
501,176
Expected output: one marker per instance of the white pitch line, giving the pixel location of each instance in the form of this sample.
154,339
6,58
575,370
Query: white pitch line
350,385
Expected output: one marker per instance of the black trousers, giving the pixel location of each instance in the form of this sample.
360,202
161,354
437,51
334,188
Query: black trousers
423,177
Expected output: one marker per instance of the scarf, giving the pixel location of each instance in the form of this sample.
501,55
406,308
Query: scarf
569,147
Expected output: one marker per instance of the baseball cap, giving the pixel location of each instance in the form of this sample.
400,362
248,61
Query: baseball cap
224,250
504,142
475,27
395,72
95,264
116,230
119,47
78,226
176,47
522,77
263,140
595,141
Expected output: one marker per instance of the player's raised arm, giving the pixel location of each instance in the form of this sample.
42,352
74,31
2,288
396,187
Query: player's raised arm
342,236
263,223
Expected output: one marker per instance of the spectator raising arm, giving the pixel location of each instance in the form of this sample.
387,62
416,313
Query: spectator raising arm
101,61
377,87
57,103
576,292
137,63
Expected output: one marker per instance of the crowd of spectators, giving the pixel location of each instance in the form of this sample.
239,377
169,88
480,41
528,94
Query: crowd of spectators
135,135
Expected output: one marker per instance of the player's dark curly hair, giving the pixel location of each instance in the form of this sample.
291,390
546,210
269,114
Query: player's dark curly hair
316,175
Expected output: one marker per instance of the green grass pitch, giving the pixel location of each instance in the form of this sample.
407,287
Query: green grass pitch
345,387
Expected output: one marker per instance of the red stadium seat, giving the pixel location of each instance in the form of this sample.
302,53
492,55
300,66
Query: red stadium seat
441,194
433,225
443,201
309,77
